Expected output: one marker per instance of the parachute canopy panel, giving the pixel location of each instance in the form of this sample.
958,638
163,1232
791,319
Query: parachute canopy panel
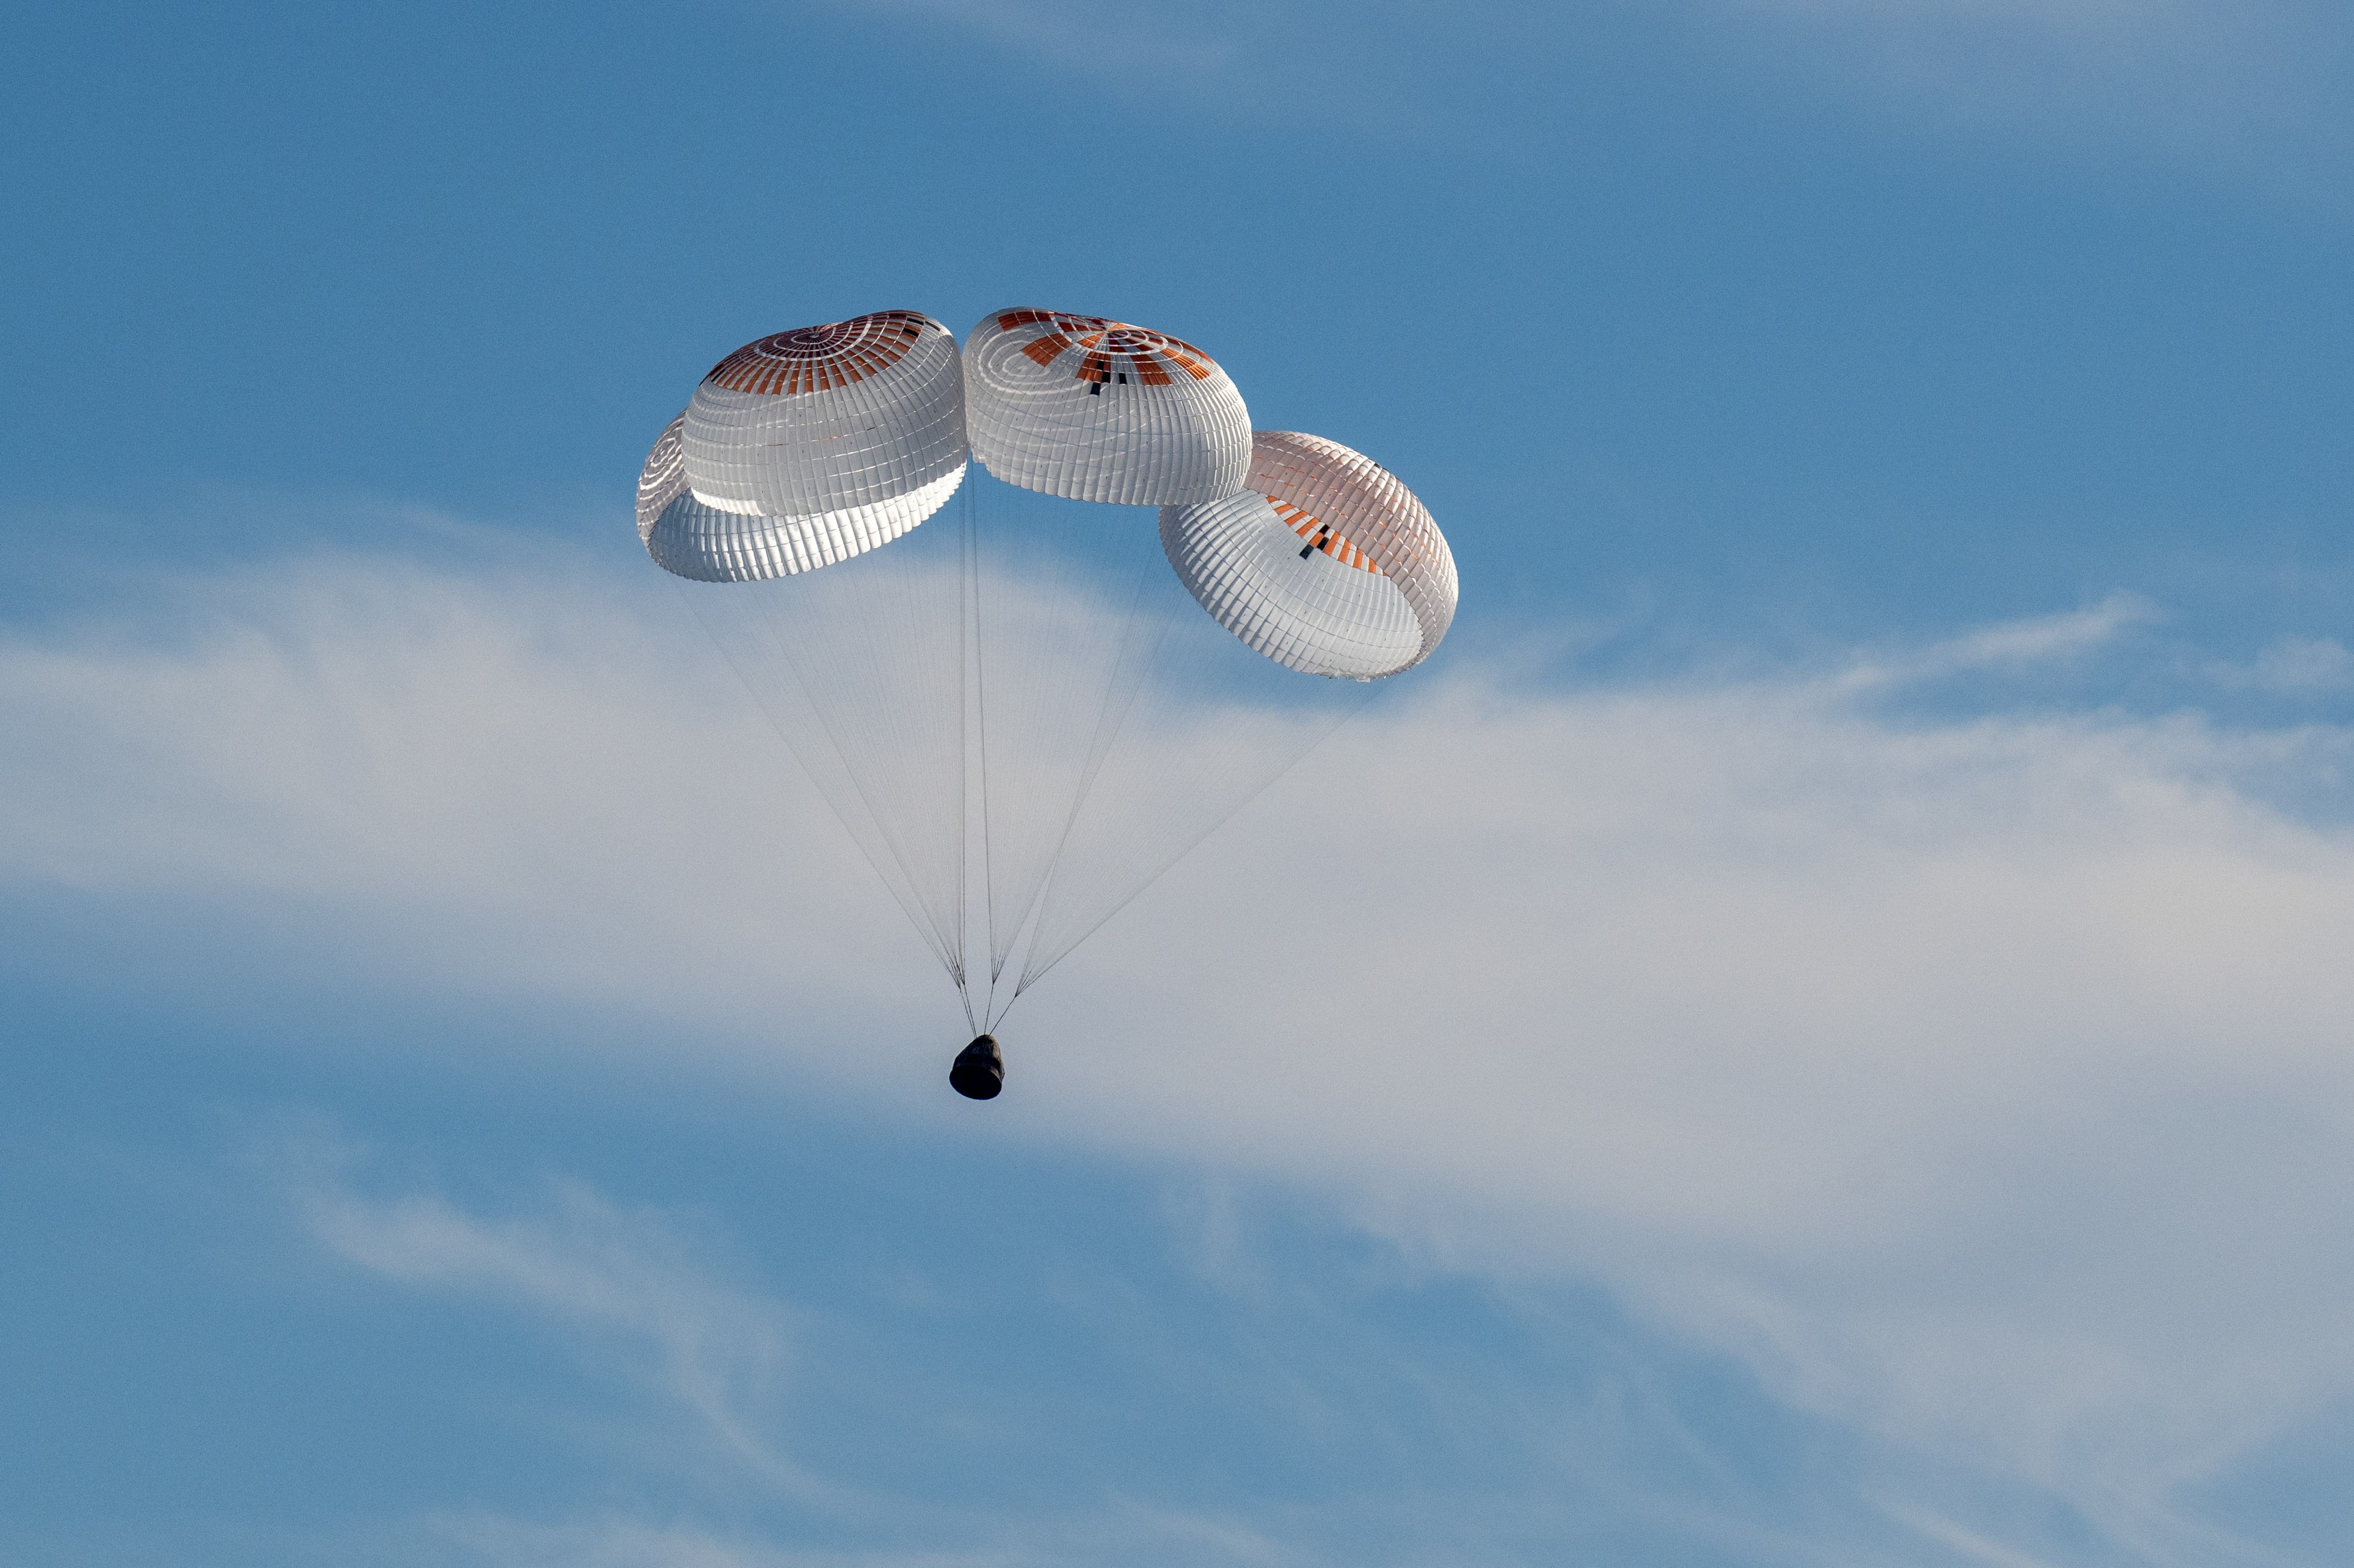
1100,411
1326,564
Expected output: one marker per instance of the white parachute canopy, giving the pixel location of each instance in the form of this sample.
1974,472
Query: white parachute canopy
807,448
1017,712
1099,410
1326,564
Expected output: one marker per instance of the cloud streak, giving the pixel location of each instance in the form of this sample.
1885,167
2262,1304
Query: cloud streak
619,1277
2216,82
2013,645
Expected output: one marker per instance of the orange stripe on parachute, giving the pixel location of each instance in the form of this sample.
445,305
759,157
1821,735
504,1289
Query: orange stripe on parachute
1045,350
1304,525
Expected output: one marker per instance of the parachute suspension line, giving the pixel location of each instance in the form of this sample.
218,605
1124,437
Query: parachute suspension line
973,743
974,523
866,647
1072,626
920,611
713,610
1036,971
1214,728
1132,667
870,644
966,629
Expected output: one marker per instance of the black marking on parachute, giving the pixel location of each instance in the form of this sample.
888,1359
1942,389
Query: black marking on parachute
1095,388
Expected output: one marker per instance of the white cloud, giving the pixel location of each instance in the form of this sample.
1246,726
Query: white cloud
1979,1082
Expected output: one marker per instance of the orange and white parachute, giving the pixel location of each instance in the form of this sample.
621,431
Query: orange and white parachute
1325,564
1099,410
807,448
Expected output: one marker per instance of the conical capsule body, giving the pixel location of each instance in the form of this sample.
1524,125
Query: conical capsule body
979,1071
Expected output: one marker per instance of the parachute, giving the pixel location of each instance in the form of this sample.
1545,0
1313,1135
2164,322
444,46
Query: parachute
1019,713
807,448
1370,593
1173,429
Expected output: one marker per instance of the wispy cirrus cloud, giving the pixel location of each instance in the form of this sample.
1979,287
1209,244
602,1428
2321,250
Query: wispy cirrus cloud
2013,645
623,1279
2215,81
490,1540
2200,78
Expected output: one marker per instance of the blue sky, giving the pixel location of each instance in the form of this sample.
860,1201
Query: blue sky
1834,1052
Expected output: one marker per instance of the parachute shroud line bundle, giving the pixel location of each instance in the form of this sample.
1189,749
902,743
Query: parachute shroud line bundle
1022,720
